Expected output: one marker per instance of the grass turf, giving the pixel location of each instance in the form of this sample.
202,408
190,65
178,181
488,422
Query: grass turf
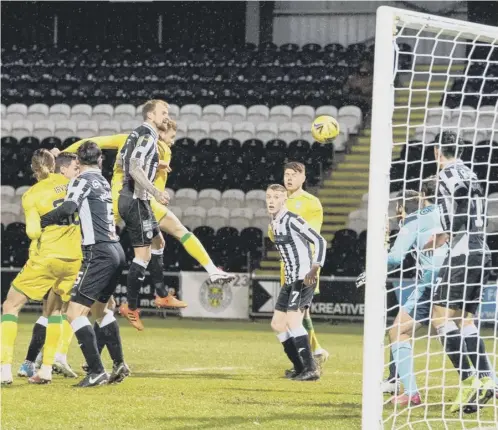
208,375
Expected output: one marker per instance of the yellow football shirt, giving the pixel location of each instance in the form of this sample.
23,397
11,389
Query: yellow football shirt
54,241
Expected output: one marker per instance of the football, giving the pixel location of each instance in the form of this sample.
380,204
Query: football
325,129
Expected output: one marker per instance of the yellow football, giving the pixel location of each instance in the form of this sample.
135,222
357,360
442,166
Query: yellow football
325,129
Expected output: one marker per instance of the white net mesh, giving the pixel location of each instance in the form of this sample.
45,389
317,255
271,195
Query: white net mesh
444,81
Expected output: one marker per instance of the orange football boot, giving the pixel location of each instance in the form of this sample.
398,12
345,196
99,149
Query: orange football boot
170,301
132,316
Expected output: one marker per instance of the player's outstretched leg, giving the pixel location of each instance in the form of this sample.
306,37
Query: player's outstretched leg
279,326
170,224
27,368
60,364
135,280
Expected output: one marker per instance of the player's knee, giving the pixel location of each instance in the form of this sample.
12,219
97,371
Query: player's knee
278,326
394,333
142,255
445,328
158,242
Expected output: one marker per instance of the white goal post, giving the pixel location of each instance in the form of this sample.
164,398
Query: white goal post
435,41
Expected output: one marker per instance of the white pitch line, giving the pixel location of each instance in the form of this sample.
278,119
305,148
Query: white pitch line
203,369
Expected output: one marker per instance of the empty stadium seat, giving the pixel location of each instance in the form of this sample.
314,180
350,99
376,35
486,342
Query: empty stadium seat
65,129
306,133
327,110
289,131
241,218
198,130
102,112
438,116
129,126
43,129
266,131
22,128
220,130
303,114
86,129
20,191
16,112
81,112
426,134
243,131
340,142
185,197
173,111
209,198
280,114
59,112
194,217
257,114
351,117
213,113
138,114
235,113
190,113
261,220
3,111
37,112
124,113
217,217
108,128
10,213
255,199
486,116
7,194
6,128
232,199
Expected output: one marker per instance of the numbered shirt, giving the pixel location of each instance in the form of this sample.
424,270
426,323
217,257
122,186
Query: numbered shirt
92,193
141,145
294,239
55,241
461,202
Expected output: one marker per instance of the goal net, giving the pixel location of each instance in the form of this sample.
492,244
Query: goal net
431,75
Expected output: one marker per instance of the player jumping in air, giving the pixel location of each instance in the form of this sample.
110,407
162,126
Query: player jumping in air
53,263
293,238
459,285
103,262
422,234
310,209
167,220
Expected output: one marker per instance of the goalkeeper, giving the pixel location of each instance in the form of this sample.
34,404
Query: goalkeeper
422,233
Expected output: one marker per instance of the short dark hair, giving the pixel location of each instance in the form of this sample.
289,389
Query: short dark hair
64,159
89,153
449,144
429,188
410,200
296,166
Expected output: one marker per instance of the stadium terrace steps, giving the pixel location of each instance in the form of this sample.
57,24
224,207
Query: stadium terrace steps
342,193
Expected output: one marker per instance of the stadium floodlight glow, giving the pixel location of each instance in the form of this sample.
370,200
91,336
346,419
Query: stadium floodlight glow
408,87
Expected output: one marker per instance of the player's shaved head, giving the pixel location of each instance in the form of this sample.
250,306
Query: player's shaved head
89,154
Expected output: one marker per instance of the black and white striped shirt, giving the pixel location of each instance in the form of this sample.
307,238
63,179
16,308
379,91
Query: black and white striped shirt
293,239
461,202
142,145
92,193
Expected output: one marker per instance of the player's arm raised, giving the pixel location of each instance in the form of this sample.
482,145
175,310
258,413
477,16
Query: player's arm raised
78,189
103,142
320,243
137,172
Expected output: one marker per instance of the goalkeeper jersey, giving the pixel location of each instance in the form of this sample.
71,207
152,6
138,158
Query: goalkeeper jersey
418,235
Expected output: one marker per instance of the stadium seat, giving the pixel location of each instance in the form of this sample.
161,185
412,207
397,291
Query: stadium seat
266,131
474,135
351,117
10,213
138,114
243,131
190,113
213,113
232,199
194,217
3,111
102,112
280,114
87,129
241,218
186,197
174,111
429,136
327,110
209,198
465,114
7,194
129,126
6,128
124,113
217,217
260,220
306,133
289,131
255,199
340,142
486,116
65,129
22,128
16,112
257,114
59,112
438,116
20,192
235,113
198,130
109,128
37,112
43,129
357,220
81,112
303,114
220,130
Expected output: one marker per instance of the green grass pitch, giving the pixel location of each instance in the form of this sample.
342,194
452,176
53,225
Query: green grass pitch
205,375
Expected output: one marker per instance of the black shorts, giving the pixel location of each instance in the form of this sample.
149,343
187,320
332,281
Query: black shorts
99,274
295,296
460,281
139,219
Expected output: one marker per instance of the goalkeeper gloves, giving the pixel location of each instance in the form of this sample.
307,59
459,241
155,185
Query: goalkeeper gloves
361,280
